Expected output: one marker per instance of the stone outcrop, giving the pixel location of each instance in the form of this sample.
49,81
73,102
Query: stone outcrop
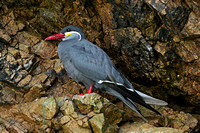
50,114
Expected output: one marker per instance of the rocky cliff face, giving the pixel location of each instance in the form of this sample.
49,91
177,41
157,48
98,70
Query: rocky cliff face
156,44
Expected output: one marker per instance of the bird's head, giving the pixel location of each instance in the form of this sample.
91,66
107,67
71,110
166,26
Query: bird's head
68,33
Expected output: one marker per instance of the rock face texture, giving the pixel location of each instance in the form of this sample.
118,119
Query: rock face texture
154,43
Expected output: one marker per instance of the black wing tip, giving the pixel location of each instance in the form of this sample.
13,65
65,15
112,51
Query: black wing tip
133,96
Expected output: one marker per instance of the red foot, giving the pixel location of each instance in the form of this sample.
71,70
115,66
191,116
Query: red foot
89,91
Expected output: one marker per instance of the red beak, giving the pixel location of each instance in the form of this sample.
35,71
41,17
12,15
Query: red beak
56,36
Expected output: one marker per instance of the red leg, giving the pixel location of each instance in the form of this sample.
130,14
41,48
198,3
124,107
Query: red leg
89,91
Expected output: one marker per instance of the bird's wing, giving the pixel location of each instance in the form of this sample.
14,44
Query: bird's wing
151,100
93,62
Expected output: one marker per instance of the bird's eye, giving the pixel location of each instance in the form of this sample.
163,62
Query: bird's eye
68,30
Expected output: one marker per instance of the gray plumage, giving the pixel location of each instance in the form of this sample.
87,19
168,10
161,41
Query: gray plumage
89,64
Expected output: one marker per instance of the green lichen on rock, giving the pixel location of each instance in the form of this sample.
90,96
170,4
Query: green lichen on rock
97,123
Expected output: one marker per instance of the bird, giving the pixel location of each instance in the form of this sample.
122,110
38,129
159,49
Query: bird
88,64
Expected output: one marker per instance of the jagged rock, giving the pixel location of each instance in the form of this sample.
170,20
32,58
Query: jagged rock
145,127
193,25
171,118
189,50
73,127
38,79
68,108
9,94
3,129
49,108
25,81
51,77
108,114
4,35
26,40
179,120
33,93
97,123
29,117
65,119
91,106
45,50
101,116
41,109
89,103
129,53
10,24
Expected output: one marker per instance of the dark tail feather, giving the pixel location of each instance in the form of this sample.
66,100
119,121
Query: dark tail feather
126,101
132,96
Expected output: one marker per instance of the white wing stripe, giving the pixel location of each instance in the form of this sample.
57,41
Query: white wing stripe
107,81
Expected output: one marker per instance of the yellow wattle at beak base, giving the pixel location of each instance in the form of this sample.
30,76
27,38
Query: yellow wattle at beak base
68,34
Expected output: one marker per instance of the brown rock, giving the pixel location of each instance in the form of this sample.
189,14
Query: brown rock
27,39
3,130
24,81
26,117
160,5
167,8
193,25
45,65
9,94
14,52
86,104
33,93
45,50
24,47
109,115
97,123
189,50
85,122
73,127
12,30
4,35
161,48
68,108
11,26
52,75
42,77
19,76
49,108
145,127
20,25
106,15
65,119
41,109
34,82
179,120
11,59
6,19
